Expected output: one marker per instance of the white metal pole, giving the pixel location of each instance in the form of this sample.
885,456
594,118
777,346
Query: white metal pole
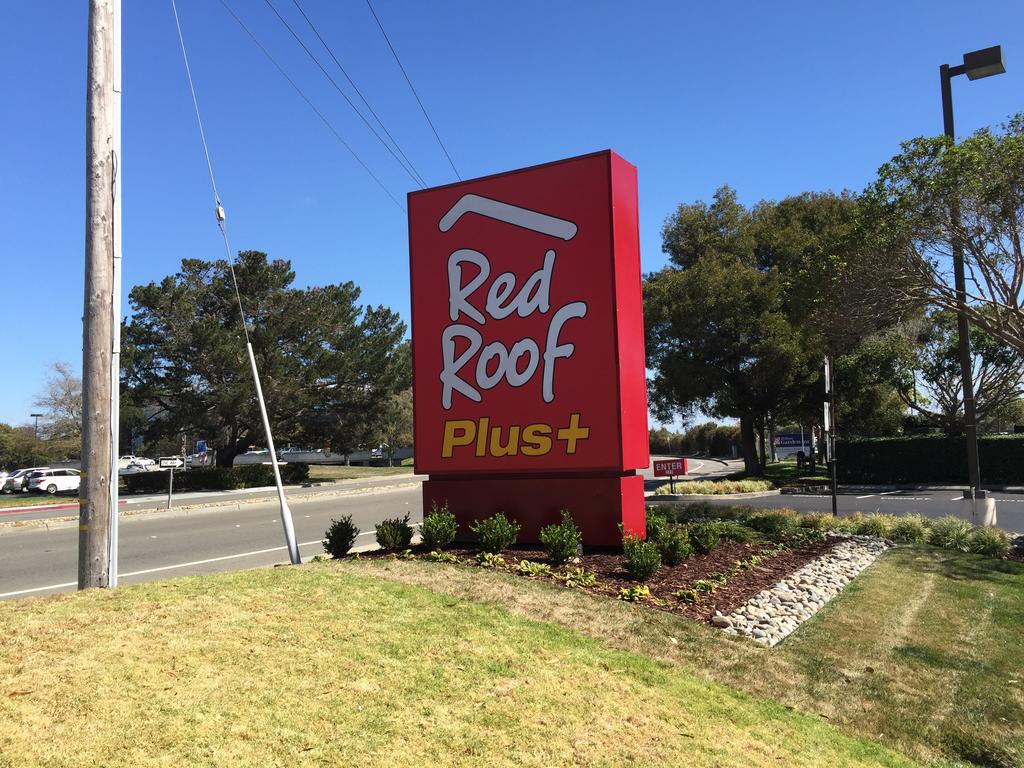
286,513
115,351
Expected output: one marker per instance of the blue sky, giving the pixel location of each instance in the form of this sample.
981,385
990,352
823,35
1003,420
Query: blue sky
771,98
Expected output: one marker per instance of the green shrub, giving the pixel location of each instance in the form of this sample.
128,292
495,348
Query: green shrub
656,523
909,529
642,557
674,545
577,577
496,533
339,538
439,527
490,560
734,531
799,536
928,459
689,596
561,541
704,536
705,586
217,478
532,569
816,521
441,557
635,594
990,542
874,525
951,533
775,525
394,534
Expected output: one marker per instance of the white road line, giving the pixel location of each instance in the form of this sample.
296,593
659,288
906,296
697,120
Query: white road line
165,568
889,493
958,498
866,497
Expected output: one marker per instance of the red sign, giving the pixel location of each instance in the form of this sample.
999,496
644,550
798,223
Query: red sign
527,324
670,467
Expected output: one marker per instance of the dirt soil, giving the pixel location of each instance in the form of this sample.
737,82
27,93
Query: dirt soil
609,568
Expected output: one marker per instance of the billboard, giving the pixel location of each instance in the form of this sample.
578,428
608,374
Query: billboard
527,325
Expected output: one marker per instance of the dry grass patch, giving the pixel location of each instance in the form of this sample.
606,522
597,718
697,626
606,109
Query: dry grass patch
316,666
341,472
921,651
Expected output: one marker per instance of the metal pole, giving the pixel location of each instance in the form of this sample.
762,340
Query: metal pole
962,325
98,324
170,488
286,513
830,428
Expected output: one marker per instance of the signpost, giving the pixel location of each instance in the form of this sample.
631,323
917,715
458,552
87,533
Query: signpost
528,355
170,463
830,429
670,468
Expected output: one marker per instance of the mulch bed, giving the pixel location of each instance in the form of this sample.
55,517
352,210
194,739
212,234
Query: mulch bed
609,568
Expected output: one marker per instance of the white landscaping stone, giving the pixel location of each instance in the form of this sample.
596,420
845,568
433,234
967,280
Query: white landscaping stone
774,613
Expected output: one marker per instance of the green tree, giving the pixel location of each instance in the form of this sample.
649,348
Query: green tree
20,448
328,366
936,194
394,427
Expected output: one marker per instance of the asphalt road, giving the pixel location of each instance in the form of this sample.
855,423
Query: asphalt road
41,560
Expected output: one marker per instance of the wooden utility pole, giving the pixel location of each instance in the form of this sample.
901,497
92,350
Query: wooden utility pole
102,240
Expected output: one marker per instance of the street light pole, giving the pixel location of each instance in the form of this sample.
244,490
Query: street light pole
977,64
36,416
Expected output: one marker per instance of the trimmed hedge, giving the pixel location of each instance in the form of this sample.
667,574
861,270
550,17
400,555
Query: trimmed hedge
216,478
930,459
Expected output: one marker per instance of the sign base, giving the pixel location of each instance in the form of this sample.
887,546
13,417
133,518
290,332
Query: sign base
598,504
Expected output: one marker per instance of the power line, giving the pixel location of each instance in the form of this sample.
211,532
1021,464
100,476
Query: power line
312,106
343,94
355,87
413,89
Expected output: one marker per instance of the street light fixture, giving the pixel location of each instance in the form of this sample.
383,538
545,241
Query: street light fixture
36,416
977,64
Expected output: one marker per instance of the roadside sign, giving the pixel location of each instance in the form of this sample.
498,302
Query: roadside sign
200,446
670,467
171,462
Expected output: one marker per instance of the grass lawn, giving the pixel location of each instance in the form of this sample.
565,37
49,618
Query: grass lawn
922,651
32,499
341,472
320,665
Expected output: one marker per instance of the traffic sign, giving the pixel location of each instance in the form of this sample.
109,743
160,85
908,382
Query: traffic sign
670,467
200,446
171,462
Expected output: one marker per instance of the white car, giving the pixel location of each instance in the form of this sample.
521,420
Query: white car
55,480
125,461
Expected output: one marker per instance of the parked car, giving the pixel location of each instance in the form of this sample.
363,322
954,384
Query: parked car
17,481
124,461
53,480
133,467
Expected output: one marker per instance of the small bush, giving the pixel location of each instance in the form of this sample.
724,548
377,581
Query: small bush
688,596
642,557
439,528
816,522
775,525
656,523
674,545
339,538
496,533
874,525
909,529
705,586
394,534
441,557
734,531
990,542
490,560
635,594
799,536
561,541
704,536
532,569
951,533
577,577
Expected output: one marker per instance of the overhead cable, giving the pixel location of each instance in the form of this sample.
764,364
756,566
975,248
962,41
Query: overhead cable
311,105
413,89
342,92
355,87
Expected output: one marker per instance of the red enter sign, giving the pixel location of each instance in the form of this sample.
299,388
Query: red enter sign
670,467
